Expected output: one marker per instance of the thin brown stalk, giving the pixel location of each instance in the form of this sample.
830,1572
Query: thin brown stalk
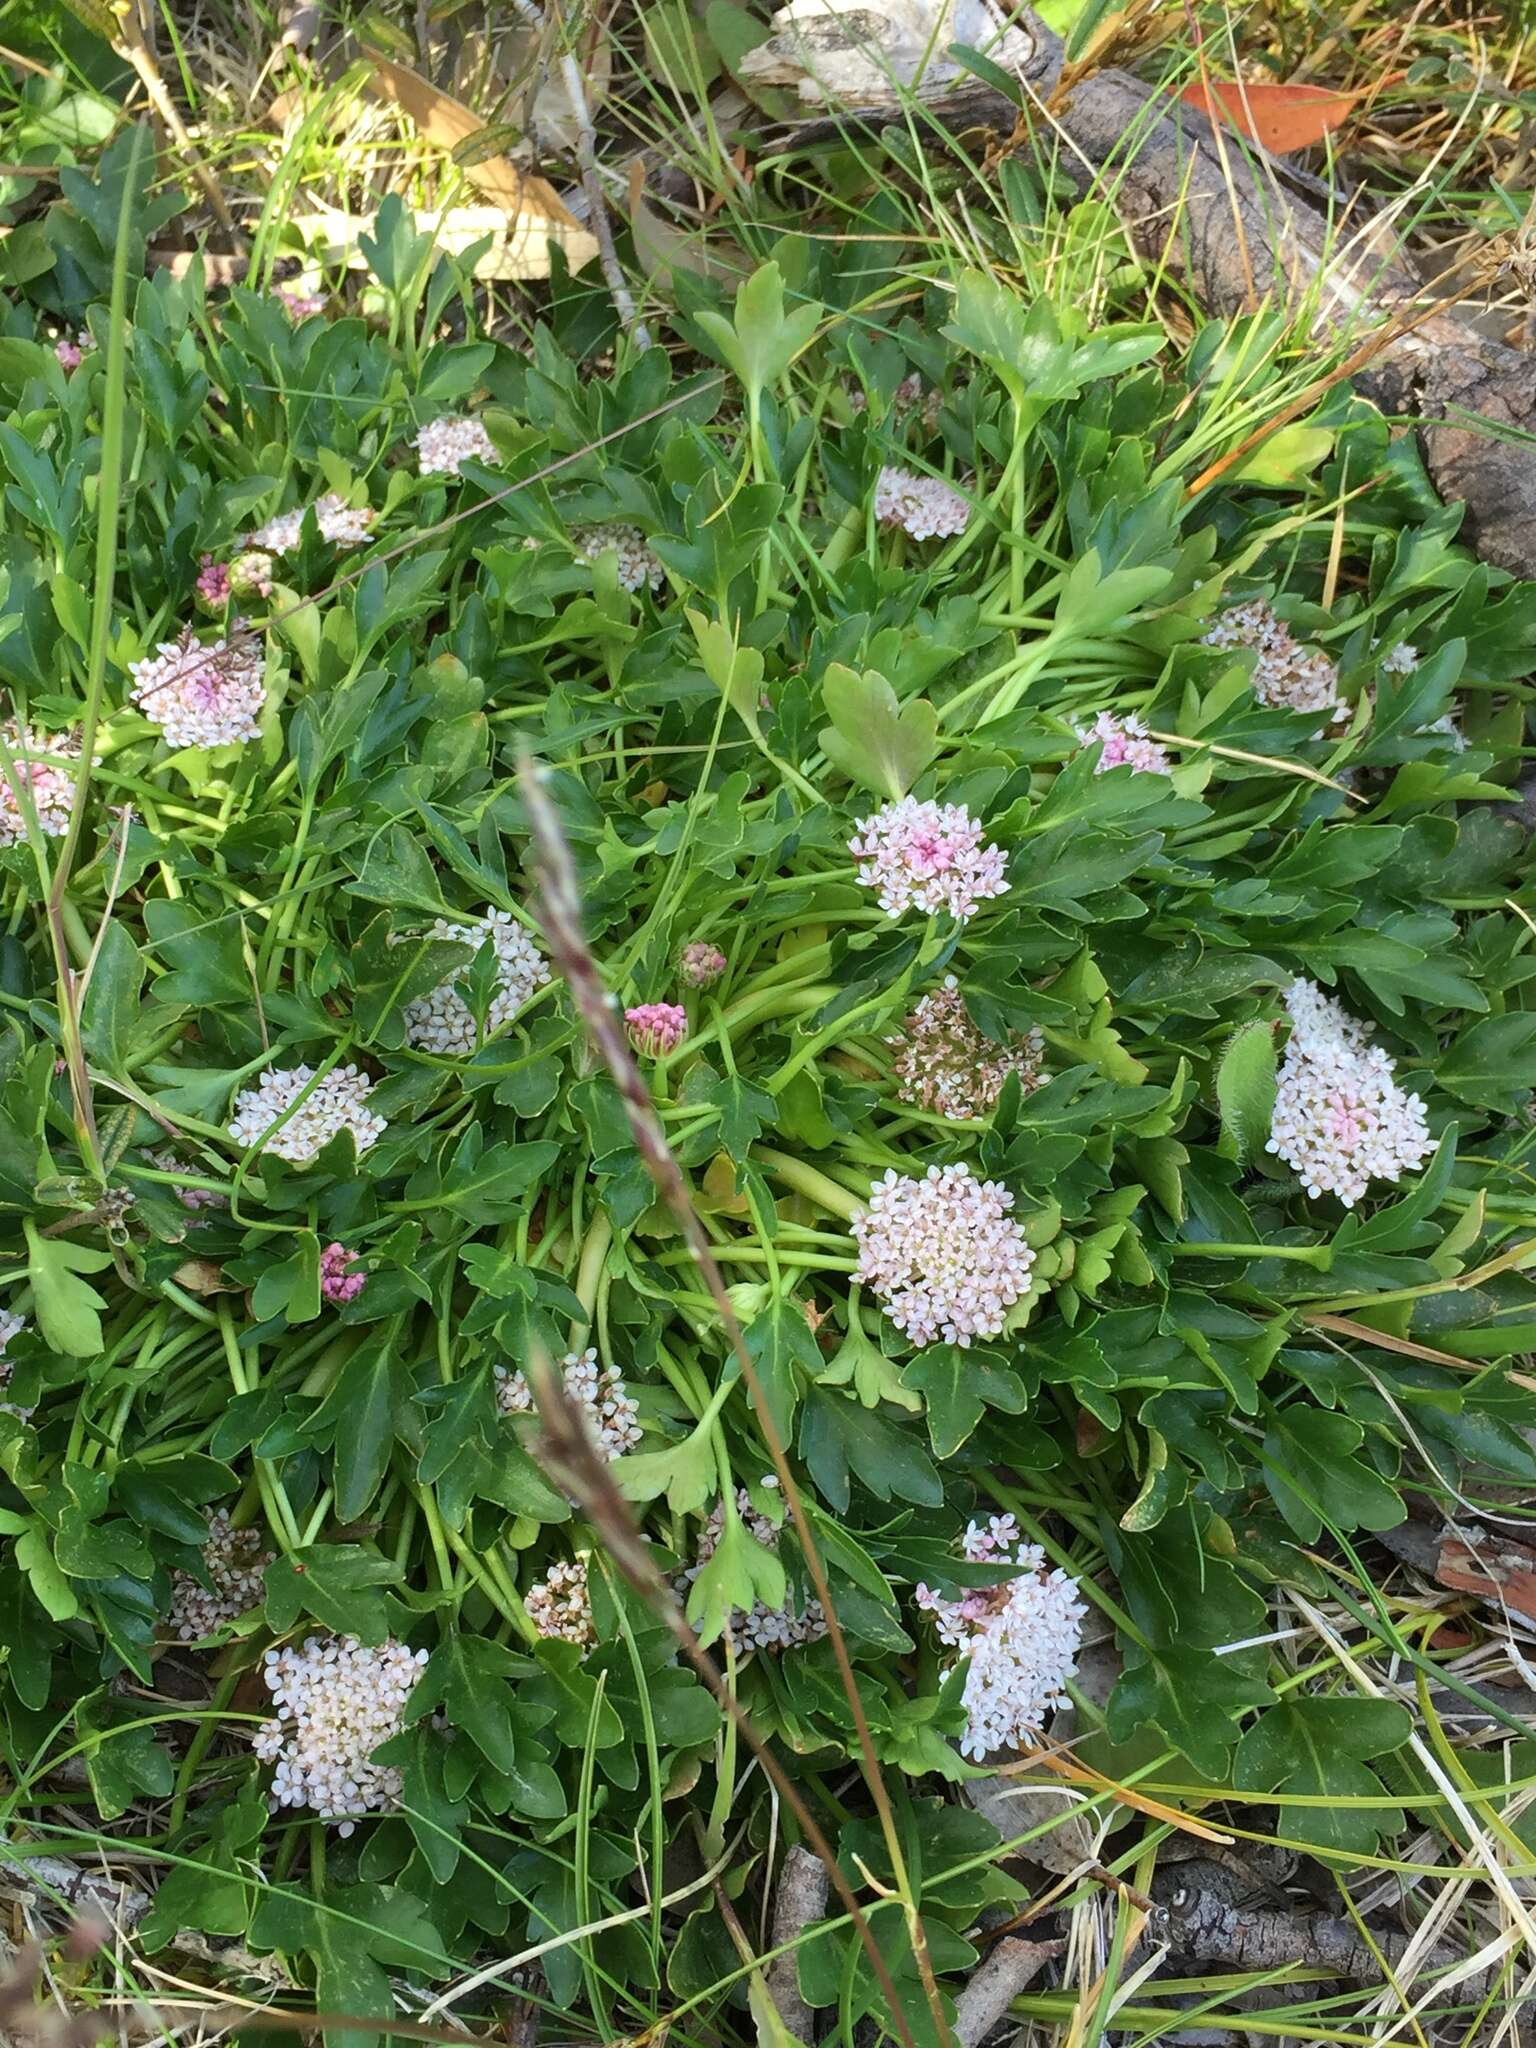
560,907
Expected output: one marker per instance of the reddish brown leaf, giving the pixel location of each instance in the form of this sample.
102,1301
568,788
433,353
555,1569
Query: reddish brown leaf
1281,118
1498,1570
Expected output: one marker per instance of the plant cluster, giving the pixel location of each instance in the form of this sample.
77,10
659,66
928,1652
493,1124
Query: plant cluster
1094,1028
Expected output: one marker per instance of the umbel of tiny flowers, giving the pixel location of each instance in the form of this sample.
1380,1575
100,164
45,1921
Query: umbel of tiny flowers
336,1702
203,696
444,445
339,1102
235,1561
1340,1118
441,1021
598,1392
11,1325
1019,1638
189,1198
250,574
560,1604
942,1254
1285,674
942,1063
212,584
72,350
924,507
762,1627
656,1029
338,1283
343,525
33,771
927,856
1123,743
299,304
701,965
639,564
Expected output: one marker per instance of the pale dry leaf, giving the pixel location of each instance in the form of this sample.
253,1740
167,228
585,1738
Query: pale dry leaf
830,51
449,125
518,242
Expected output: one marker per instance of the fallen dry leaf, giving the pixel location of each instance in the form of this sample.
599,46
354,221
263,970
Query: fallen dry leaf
1494,1568
1280,118
517,241
531,203
202,1276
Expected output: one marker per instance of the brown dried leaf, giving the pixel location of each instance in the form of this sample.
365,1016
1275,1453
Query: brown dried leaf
1495,1569
450,126
202,1276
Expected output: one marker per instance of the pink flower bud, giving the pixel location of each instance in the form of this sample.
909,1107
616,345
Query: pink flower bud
657,1028
701,964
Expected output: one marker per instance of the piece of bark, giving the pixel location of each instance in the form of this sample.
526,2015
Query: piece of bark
1222,219
801,1898
1067,1842
1011,1967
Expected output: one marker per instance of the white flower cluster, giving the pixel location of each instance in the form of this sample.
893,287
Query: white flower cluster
765,1627
1021,1639
336,1704
1124,743
1400,659
445,444
441,1021
639,564
942,1254
235,1561
34,771
338,1103
11,1325
942,1063
927,856
203,696
560,1604
925,507
1285,674
610,1413
1340,1118
343,525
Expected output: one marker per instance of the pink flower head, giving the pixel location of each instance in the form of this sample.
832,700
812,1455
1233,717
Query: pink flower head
701,964
924,507
338,1283
300,305
1340,1118
657,1028
69,353
928,856
942,1255
250,574
34,773
213,584
202,696
1123,743
941,1062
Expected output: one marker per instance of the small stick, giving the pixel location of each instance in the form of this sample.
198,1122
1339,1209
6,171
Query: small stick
1011,1967
801,1897
592,185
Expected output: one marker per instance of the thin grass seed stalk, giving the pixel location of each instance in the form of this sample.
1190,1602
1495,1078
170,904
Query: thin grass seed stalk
963,1038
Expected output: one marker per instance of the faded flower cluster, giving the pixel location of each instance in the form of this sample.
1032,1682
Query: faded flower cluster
942,1255
337,1702
927,856
639,564
33,771
343,525
1123,743
656,1029
599,1392
203,696
337,1103
441,1021
11,1325
443,446
924,507
235,1562
943,1064
1021,1639
1286,674
765,1627
1340,1118
560,1604
189,1198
